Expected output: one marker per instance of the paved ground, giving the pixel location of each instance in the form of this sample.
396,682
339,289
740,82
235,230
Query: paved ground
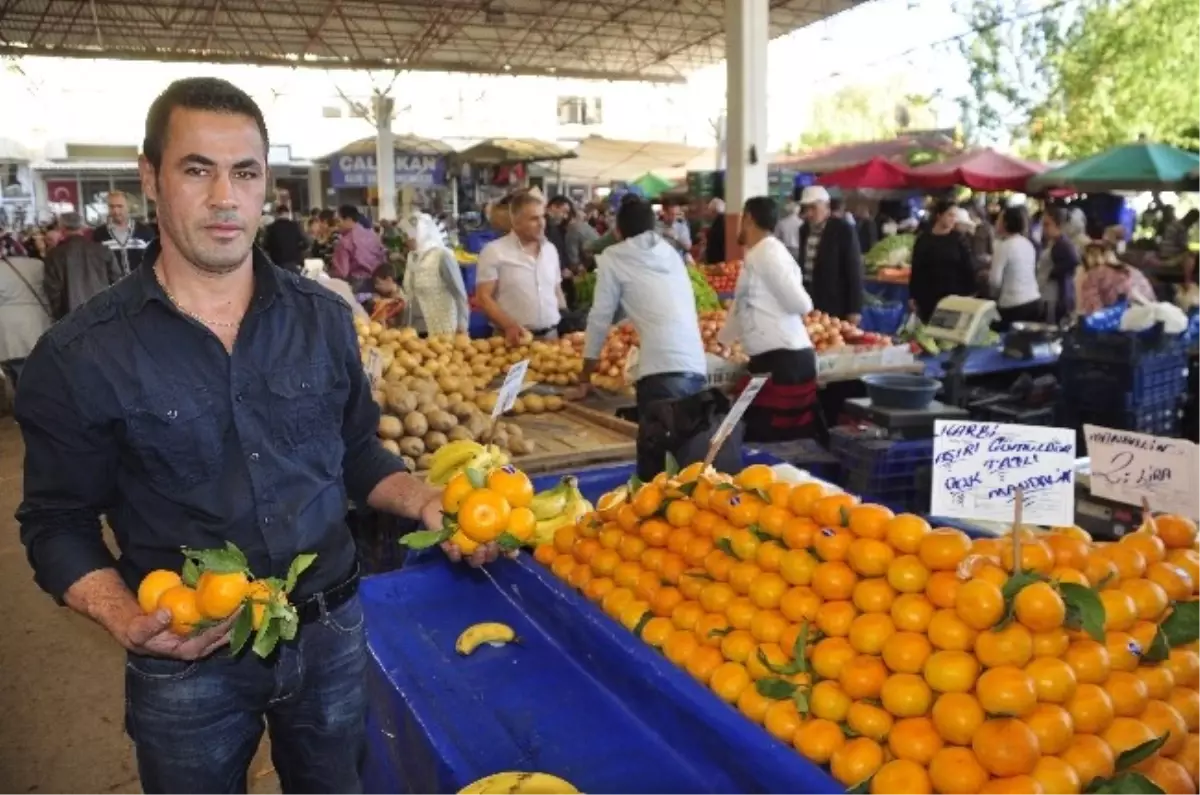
61,678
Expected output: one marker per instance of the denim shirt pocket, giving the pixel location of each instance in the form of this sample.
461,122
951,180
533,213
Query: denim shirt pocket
175,436
306,404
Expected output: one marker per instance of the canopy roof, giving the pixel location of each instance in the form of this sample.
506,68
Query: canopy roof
601,39
897,149
876,174
1133,167
978,169
501,151
409,144
599,160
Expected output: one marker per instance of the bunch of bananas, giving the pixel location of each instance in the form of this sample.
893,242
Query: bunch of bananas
554,508
461,455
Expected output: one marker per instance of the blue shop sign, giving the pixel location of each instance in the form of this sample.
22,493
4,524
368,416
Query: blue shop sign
358,171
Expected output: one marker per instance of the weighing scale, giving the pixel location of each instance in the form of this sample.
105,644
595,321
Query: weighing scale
1104,519
1032,341
962,321
903,423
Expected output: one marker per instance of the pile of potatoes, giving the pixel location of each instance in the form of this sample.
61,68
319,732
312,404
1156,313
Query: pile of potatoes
418,418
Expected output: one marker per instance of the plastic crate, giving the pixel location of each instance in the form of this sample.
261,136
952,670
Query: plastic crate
882,470
1118,347
1153,379
1156,419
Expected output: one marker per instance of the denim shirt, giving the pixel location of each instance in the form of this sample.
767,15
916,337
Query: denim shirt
130,409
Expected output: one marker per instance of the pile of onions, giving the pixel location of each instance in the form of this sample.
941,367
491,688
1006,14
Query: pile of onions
615,352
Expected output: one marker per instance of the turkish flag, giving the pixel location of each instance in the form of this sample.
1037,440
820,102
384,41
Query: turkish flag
63,191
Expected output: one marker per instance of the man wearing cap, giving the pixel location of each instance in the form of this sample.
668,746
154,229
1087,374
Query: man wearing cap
830,258
77,268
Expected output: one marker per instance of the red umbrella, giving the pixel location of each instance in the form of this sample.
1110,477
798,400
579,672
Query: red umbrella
876,173
979,169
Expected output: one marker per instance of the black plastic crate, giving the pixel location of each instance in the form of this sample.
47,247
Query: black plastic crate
879,469
1117,347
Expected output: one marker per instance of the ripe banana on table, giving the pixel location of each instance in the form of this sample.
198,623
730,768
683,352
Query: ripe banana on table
531,783
490,632
554,508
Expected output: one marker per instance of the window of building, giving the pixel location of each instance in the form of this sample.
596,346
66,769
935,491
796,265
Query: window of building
580,110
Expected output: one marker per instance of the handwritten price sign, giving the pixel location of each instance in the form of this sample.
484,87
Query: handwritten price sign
511,387
1128,466
978,467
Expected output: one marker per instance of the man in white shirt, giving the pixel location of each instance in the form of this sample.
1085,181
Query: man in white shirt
519,277
788,229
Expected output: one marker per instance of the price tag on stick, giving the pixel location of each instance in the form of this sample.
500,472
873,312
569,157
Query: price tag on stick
1135,468
510,389
735,413
374,366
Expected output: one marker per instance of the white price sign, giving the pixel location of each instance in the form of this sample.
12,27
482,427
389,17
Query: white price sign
739,408
979,466
511,388
1127,467
374,365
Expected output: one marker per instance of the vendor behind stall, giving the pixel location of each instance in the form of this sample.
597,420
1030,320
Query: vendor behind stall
1103,280
359,252
769,306
642,276
1013,273
942,263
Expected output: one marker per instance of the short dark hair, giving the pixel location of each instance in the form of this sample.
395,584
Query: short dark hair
348,211
634,218
197,93
1013,219
1059,215
762,211
942,206
558,200
327,216
522,200
282,209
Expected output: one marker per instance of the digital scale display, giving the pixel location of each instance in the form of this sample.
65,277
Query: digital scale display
945,319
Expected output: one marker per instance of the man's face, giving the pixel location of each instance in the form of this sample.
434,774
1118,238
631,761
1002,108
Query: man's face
118,210
816,212
530,222
673,214
557,213
210,187
346,224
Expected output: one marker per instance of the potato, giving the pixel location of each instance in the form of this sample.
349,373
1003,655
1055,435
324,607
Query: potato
407,334
513,430
460,410
478,426
391,446
554,403
409,463
518,407
422,372
434,440
534,404
424,386
427,407
454,397
424,462
500,439
401,402
521,446
497,343
390,427
486,401
412,446
416,424
441,401
442,421
468,390
460,433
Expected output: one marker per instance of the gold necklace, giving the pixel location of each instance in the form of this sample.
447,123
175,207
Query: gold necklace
203,320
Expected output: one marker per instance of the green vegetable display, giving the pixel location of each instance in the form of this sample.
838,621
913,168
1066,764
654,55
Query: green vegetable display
890,252
706,297
585,290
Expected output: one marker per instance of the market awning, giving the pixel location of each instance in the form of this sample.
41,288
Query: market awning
652,185
977,169
409,144
610,40
602,160
898,149
505,151
1132,167
875,174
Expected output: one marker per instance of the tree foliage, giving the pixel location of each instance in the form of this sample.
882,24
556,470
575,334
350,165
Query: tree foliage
865,113
1069,78
1129,69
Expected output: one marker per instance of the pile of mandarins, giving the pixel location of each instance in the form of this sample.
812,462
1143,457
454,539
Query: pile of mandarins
907,658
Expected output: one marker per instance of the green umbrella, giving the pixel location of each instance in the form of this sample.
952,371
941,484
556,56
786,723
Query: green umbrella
652,185
1133,167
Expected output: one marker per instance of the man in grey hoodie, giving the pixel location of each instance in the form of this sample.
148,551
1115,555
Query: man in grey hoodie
643,276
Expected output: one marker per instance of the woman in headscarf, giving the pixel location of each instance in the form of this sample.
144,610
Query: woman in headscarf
433,281
1104,280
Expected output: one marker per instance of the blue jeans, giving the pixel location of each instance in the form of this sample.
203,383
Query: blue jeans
197,725
668,386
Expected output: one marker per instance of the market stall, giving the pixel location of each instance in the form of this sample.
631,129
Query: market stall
978,169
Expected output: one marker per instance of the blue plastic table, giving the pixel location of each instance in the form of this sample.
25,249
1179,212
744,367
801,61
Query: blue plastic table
889,292
987,361
578,697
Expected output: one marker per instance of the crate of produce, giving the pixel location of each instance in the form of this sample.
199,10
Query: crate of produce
880,469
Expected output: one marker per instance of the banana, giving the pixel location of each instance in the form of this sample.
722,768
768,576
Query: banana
449,458
543,531
519,784
491,632
552,502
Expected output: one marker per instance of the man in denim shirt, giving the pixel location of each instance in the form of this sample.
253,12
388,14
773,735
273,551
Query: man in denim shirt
212,397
